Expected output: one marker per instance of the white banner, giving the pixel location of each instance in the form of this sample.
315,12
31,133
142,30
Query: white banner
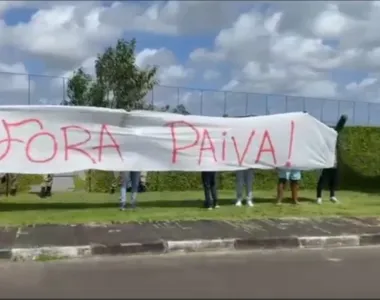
60,139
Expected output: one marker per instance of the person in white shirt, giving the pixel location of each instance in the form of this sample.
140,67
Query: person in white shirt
127,176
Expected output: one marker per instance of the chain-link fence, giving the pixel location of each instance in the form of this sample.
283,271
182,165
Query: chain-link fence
26,89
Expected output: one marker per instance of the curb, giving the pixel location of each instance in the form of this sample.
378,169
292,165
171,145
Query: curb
165,247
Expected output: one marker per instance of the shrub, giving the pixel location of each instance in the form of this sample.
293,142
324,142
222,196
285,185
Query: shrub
24,182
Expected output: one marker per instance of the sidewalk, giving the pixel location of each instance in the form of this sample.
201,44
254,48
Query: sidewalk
59,241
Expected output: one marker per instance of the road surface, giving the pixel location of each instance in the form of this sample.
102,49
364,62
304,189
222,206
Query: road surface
344,273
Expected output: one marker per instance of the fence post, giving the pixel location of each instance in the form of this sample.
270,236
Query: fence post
152,100
339,108
89,181
286,104
63,90
267,105
7,184
178,96
29,89
322,105
246,104
201,113
225,103
368,113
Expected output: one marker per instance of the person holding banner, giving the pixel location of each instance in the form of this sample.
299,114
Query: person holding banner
46,185
12,182
244,178
284,176
127,176
330,175
209,188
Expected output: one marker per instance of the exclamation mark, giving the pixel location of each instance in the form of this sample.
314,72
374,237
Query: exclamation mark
288,163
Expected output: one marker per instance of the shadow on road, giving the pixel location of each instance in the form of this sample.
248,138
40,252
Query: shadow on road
49,204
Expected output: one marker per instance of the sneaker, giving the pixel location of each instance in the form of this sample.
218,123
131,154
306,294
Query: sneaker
238,203
209,208
216,206
319,200
250,203
122,208
334,200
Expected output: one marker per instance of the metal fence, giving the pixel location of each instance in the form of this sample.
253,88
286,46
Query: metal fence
23,89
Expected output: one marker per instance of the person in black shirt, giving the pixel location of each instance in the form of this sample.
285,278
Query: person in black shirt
209,188
330,175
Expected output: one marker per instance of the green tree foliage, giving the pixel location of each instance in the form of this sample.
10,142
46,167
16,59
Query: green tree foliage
118,81
179,109
77,88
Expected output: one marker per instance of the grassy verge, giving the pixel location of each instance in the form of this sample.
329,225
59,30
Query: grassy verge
82,207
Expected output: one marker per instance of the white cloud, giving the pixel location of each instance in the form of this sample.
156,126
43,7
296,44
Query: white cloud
155,57
202,55
174,74
169,71
331,23
355,86
64,34
211,74
292,48
318,49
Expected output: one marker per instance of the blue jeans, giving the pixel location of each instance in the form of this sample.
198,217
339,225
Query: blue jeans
292,175
244,178
209,188
134,177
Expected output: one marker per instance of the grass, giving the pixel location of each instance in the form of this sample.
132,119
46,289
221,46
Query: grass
82,207
46,258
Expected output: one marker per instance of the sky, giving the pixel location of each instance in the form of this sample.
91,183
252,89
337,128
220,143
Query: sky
244,55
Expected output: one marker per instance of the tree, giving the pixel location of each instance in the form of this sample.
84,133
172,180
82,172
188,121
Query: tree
77,88
118,82
180,109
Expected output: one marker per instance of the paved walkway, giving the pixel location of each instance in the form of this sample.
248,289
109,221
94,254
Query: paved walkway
163,237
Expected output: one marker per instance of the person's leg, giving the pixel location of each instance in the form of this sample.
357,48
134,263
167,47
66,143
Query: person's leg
295,177
135,180
206,189
123,189
320,183
248,178
49,184
282,179
12,184
143,176
294,188
214,194
43,186
333,181
239,187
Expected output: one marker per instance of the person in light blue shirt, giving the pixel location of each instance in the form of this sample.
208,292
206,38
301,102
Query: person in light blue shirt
244,178
134,178
284,176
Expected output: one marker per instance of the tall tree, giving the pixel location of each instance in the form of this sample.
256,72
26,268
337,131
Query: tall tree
77,88
118,82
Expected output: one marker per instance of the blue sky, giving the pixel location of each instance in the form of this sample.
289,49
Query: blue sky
267,48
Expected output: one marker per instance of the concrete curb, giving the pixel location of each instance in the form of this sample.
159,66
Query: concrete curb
164,247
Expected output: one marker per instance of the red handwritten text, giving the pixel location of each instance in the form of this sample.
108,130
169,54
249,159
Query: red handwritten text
204,142
31,140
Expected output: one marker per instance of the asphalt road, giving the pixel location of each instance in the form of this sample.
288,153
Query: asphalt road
344,273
